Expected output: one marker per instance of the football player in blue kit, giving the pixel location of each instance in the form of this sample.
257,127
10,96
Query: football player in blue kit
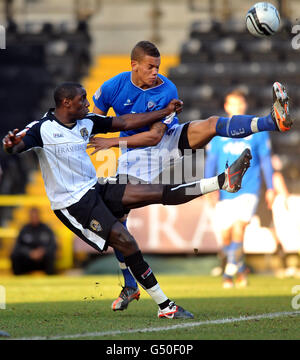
231,224
143,89
91,210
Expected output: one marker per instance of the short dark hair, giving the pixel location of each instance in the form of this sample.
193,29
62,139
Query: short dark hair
143,48
67,90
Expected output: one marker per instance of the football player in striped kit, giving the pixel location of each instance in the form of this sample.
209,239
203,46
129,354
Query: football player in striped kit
92,210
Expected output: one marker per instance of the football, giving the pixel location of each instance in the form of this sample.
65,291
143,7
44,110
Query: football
263,19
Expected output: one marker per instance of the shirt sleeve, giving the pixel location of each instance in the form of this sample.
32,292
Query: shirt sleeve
102,97
33,138
170,94
101,124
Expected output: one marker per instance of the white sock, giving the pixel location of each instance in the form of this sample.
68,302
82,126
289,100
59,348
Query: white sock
157,294
209,185
206,185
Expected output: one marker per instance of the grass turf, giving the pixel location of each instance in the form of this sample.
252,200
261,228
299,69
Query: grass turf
51,306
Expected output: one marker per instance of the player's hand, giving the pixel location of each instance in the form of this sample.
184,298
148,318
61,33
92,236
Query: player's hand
175,105
37,254
100,143
270,197
12,139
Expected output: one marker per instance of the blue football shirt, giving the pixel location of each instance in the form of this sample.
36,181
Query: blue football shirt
220,150
124,97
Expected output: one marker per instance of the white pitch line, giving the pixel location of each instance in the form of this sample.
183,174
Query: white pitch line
165,328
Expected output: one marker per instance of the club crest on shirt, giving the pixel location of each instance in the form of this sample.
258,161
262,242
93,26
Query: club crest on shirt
84,133
150,104
95,225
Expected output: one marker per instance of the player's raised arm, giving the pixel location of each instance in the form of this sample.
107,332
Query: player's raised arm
13,142
136,121
146,138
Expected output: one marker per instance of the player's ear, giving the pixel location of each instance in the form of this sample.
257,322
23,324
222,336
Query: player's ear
134,65
66,102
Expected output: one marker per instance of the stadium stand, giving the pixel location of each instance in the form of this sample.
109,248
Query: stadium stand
35,60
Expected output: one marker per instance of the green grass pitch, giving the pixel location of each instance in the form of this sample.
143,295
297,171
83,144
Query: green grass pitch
57,306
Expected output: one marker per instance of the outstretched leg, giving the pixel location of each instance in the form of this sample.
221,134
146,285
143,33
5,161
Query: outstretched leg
200,132
139,195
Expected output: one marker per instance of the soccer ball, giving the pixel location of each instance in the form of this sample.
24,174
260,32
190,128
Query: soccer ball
263,19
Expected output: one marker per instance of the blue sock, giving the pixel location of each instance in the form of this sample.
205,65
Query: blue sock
239,126
225,249
234,257
241,266
235,252
128,278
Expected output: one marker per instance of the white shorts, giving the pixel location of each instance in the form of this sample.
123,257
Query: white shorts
147,163
229,211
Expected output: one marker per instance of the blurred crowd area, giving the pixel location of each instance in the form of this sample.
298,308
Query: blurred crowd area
47,44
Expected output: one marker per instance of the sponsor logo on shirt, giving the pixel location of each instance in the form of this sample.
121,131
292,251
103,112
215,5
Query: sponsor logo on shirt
128,102
56,135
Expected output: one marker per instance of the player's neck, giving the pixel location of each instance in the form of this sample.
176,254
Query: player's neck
63,118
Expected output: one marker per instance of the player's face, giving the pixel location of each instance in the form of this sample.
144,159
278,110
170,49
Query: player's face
145,71
79,105
235,105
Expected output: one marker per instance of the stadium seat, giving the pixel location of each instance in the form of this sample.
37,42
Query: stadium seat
194,51
205,30
226,50
259,50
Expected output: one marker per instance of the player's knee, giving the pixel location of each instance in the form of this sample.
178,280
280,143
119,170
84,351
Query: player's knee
212,121
239,230
122,240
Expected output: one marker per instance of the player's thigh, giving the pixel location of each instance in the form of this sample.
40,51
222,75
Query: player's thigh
89,219
120,198
140,195
200,132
